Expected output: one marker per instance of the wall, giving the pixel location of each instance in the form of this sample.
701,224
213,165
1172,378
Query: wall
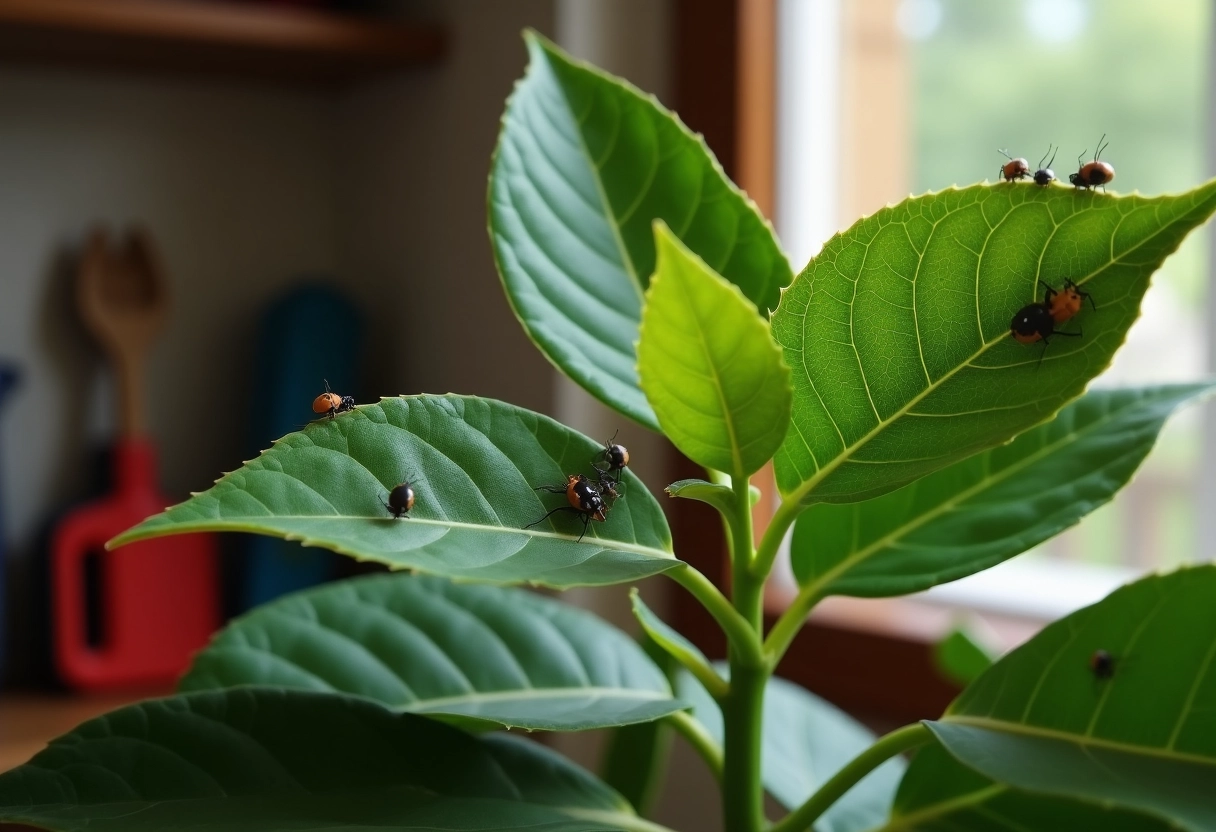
236,187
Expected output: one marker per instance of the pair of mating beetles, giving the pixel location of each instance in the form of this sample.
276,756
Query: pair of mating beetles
586,497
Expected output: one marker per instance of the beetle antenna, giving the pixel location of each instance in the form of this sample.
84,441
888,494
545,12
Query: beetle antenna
1081,157
326,384
1101,147
1053,156
1005,153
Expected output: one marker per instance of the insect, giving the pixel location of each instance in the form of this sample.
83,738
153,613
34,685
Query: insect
1065,303
1034,322
1014,168
1102,664
1045,175
615,457
1093,174
332,404
585,499
400,500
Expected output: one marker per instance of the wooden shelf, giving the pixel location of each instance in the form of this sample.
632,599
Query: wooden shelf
211,37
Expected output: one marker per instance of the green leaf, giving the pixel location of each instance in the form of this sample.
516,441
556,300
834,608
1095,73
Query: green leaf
989,507
635,759
709,366
1143,739
585,162
721,497
897,333
254,759
938,794
805,741
474,464
960,658
460,652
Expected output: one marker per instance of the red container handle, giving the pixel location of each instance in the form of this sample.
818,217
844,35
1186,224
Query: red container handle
77,537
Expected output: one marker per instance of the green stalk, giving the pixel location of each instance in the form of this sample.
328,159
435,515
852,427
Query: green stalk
743,706
899,740
737,629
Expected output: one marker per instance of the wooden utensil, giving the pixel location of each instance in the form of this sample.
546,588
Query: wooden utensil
159,599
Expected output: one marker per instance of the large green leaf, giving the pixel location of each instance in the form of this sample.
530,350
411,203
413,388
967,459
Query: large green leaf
897,333
584,164
708,364
420,644
988,507
474,464
1143,739
254,759
960,658
805,741
939,794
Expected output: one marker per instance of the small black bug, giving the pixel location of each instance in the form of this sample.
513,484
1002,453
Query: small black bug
1093,174
610,464
400,501
1102,664
1014,168
1045,175
585,498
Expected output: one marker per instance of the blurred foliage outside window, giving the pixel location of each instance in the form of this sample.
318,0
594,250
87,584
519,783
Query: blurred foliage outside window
1019,74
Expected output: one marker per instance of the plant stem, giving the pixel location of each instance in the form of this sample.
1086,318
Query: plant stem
743,707
899,740
783,518
687,726
740,633
790,623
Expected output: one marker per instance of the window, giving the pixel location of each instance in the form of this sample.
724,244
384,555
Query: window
879,98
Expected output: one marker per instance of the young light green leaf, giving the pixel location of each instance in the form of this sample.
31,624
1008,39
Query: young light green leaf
960,658
474,464
988,507
469,654
718,495
939,794
253,759
805,742
708,364
898,332
585,162
1143,739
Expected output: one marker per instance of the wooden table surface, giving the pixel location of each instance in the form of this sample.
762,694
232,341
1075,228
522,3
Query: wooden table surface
29,720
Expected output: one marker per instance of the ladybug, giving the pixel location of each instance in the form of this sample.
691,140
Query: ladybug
400,501
1033,322
1093,174
1102,664
332,404
1065,303
1045,175
585,499
1014,168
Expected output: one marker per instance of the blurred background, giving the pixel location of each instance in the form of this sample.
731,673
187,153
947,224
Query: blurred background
312,178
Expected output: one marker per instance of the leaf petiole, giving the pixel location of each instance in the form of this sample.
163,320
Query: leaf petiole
896,742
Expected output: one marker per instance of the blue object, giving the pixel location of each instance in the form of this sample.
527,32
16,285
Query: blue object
309,334
8,380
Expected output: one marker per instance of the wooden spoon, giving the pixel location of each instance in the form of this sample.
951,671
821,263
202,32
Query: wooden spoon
123,298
